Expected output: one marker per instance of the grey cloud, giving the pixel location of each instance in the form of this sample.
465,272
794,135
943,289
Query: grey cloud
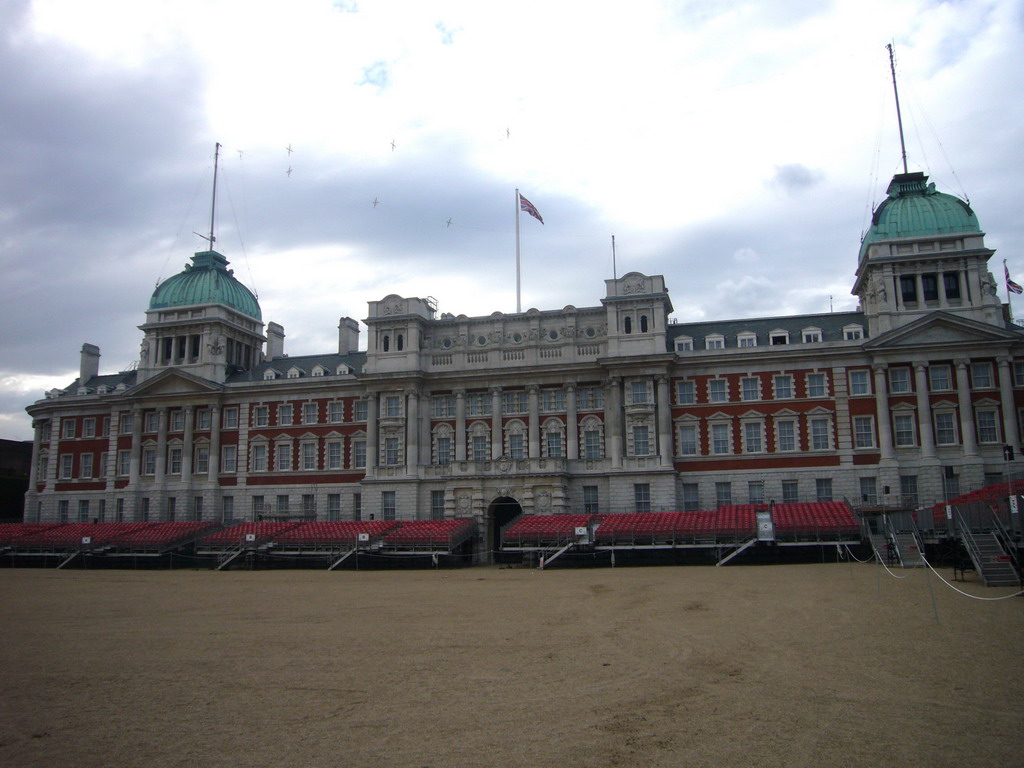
794,178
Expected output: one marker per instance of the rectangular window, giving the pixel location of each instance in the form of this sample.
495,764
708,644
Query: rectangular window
516,446
591,505
988,429
869,490
444,407
638,392
202,460
642,497
863,432
714,342
860,383
945,428
816,385
392,406
823,488
336,411
83,511
387,505
229,458
308,504
513,403
480,405
1018,374
775,339
172,508
853,334
641,441
310,413
691,497
951,284
790,491
981,375
592,447
753,441
723,494
688,440
820,434
126,424
85,465
903,430
552,400
750,388
285,417
230,418
283,504
203,418
103,465
227,508
553,444
811,336
174,461
684,393
259,506
119,510
144,510
783,387
177,421
590,399
152,421
124,462
334,506
747,341
930,287
357,506
437,505
444,450
391,454
334,454
149,461
259,458
480,451
361,408
721,441
282,457
718,391
67,427
785,436
908,289
755,491
938,378
908,489
359,454
899,380
197,508
308,456
89,427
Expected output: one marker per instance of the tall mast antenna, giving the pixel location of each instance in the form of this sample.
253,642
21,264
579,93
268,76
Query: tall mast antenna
899,116
213,204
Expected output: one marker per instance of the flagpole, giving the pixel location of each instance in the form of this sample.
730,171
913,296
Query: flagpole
519,305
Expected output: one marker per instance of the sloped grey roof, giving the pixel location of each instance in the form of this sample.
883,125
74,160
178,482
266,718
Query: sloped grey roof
305,363
830,323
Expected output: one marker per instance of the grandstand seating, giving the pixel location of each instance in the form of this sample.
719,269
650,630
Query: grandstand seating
641,527
160,535
817,519
533,530
69,536
236,534
11,532
446,534
340,532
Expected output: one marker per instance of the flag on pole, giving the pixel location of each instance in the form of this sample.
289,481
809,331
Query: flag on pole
1011,286
530,208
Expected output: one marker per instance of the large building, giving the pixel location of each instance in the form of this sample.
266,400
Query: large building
907,401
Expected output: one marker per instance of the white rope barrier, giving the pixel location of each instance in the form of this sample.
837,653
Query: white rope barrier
967,594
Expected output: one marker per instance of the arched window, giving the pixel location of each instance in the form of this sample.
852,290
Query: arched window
627,324
387,342
643,323
400,339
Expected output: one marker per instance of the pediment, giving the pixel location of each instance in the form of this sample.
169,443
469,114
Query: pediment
173,382
942,328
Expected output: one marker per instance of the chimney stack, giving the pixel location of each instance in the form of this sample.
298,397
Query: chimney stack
90,364
348,336
275,341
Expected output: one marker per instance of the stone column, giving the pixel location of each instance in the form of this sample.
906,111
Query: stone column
572,427
186,447
497,444
882,408
460,425
371,433
161,445
963,397
533,427
664,406
135,468
412,433
924,411
1011,435
214,444
613,421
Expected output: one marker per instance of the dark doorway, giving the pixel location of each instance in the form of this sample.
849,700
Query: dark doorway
502,511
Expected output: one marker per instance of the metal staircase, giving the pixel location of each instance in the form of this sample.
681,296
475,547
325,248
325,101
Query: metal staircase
994,563
908,550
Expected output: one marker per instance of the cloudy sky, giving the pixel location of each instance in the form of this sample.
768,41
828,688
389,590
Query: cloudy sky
735,146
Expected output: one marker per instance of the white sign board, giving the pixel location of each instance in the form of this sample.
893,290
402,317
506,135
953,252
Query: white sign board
1013,505
363,537
250,537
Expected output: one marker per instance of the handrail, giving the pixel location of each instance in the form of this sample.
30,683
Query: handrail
968,536
1008,546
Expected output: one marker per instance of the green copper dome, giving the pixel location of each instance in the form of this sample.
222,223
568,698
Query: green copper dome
915,209
207,280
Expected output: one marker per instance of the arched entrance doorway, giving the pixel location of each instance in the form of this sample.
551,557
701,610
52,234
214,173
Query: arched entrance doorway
500,513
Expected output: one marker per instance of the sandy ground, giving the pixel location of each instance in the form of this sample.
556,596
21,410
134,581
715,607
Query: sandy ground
803,665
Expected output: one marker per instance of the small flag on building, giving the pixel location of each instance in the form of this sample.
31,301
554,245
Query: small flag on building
530,208
1011,286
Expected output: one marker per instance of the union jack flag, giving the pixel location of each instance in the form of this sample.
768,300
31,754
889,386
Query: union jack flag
1011,286
530,208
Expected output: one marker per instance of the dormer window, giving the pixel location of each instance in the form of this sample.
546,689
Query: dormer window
853,332
269,374
746,339
684,344
810,335
715,341
294,373
776,338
